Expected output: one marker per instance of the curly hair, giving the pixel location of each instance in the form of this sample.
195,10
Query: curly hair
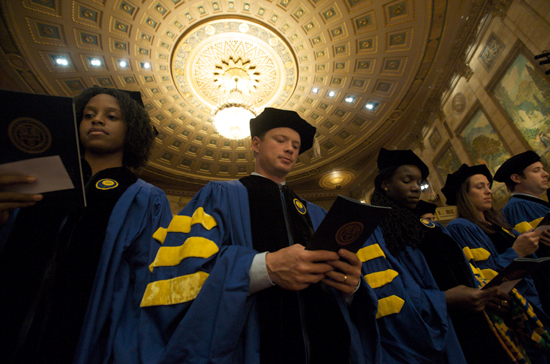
140,133
467,210
400,226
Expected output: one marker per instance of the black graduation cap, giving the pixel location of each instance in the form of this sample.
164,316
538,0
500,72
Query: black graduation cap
516,165
423,207
455,180
394,158
272,118
136,96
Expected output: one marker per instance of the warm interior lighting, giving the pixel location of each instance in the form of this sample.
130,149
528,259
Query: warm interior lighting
62,61
122,64
371,105
95,62
233,120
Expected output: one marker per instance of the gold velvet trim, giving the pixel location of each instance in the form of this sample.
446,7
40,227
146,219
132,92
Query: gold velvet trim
173,291
477,254
389,306
489,274
370,252
379,279
195,246
182,224
524,225
476,270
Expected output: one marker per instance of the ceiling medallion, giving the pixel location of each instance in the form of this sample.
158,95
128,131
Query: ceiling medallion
336,180
233,67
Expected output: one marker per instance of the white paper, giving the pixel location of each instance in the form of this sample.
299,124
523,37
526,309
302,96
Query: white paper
507,286
50,175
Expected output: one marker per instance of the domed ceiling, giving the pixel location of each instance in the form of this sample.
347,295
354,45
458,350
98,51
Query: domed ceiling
327,60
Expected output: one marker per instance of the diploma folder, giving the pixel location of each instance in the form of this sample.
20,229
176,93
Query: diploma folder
348,224
515,272
544,224
40,138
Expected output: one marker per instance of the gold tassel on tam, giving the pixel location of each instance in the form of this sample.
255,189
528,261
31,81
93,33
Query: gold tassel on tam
316,148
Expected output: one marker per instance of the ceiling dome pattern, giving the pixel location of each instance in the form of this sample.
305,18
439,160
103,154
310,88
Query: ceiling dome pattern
212,58
327,60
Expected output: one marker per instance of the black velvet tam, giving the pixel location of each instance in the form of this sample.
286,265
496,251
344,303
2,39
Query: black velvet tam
395,158
272,118
516,165
455,180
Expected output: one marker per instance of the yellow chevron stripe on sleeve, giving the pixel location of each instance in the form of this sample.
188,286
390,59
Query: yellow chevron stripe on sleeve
173,291
182,224
370,252
160,234
379,279
489,274
468,253
477,254
525,225
389,306
476,270
196,247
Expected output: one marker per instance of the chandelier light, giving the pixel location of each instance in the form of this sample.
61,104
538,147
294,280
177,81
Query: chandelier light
232,118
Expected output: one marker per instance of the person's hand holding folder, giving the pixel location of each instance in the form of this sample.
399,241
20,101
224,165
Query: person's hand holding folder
12,200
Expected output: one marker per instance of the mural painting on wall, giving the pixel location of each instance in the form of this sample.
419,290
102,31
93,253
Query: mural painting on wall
491,52
447,163
525,95
483,143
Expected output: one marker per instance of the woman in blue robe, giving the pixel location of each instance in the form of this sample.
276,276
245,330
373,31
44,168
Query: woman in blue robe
428,298
487,240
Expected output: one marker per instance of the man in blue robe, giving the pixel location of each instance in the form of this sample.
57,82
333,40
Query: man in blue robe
526,179
72,294
233,283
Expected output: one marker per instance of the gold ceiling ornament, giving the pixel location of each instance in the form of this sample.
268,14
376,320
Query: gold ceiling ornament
234,67
336,179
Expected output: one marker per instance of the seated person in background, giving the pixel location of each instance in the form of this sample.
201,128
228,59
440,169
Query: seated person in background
527,180
86,309
425,210
422,280
484,235
233,283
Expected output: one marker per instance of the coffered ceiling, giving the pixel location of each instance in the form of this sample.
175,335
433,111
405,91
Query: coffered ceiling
324,59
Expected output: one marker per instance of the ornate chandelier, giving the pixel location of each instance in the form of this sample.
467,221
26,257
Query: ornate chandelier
232,116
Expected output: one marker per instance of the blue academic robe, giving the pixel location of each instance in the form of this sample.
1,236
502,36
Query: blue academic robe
524,213
111,324
414,324
197,306
475,243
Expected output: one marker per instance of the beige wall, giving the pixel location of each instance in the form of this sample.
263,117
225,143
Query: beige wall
526,29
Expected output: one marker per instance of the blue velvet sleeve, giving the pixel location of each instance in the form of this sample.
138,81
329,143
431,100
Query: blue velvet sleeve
412,312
